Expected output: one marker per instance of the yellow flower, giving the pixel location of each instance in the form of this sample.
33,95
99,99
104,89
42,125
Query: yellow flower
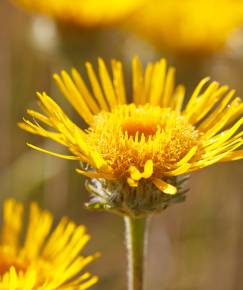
82,12
189,27
43,261
152,137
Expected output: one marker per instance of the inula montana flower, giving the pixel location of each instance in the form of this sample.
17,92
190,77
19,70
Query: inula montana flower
189,27
44,260
140,144
82,12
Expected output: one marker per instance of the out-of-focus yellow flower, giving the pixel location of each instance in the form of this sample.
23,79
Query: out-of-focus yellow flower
43,261
152,138
84,13
189,27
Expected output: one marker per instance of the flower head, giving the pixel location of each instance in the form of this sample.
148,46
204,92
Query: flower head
83,13
43,261
151,139
189,27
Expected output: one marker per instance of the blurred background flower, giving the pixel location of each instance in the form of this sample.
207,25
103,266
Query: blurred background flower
197,245
199,37
82,27
43,260
85,14
189,28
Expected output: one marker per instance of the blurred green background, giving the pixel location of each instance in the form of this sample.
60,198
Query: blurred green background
197,245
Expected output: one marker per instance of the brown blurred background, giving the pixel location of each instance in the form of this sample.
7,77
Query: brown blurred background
197,245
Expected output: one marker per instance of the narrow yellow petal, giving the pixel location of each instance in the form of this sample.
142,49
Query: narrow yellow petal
96,87
215,158
148,169
73,96
164,187
195,95
202,104
107,84
235,155
180,170
118,80
224,119
39,117
147,84
169,87
178,98
238,113
223,136
12,223
89,283
85,92
212,118
132,182
53,154
97,161
157,83
188,156
209,103
40,223
137,82
95,174
135,173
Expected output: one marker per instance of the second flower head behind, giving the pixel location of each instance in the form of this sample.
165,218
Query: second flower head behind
83,14
189,28
41,261
142,145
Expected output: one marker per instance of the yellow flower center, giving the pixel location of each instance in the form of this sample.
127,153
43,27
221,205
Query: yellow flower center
130,135
6,264
133,127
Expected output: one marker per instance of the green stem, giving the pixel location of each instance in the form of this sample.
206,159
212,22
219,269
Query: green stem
136,240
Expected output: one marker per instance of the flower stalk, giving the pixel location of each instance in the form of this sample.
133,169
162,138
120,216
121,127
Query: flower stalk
136,242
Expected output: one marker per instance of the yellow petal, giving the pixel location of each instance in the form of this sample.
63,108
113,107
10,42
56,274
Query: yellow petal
180,170
178,98
157,82
236,155
147,83
163,186
95,174
96,87
195,95
107,84
137,81
53,153
188,156
148,169
169,87
118,80
132,182
135,173
85,92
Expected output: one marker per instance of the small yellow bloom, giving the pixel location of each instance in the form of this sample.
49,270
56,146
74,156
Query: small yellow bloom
189,27
83,13
43,261
153,136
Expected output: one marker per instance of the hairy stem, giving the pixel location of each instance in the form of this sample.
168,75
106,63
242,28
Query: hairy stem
136,240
